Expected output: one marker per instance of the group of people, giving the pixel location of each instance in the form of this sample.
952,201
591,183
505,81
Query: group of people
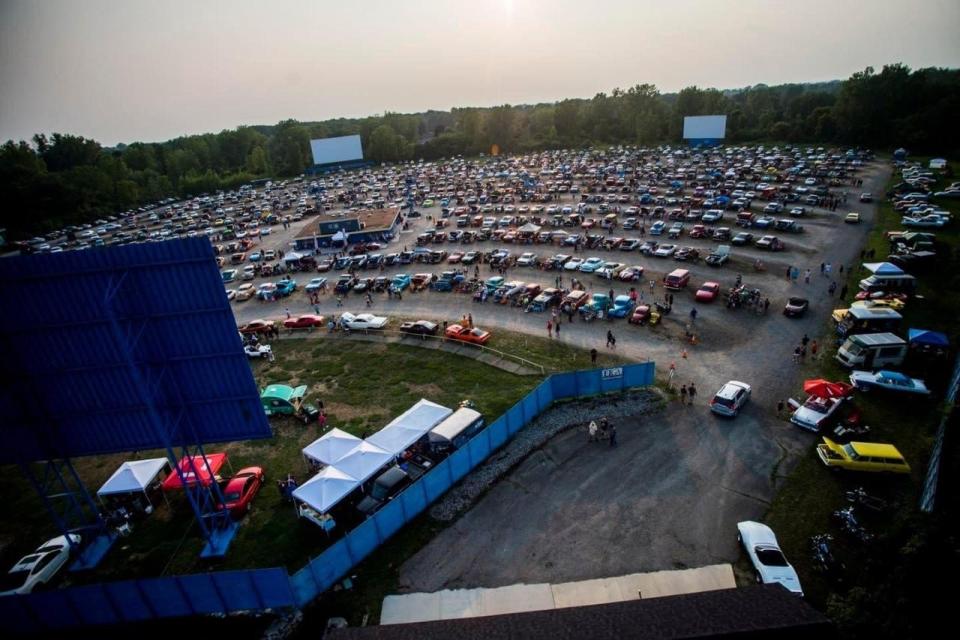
286,487
604,430
800,351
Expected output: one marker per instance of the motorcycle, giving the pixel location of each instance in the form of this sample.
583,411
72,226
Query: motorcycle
860,497
822,555
849,524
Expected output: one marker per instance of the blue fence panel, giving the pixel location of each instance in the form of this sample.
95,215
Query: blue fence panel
498,433
459,462
54,609
437,481
129,599
639,375
362,540
564,385
273,586
94,606
515,419
202,594
478,449
413,499
544,395
588,382
321,573
166,597
389,519
18,615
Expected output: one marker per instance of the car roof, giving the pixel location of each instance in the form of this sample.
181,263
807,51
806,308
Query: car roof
731,387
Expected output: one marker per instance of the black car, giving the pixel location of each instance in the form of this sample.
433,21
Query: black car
687,254
419,328
386,486
742,238
796,307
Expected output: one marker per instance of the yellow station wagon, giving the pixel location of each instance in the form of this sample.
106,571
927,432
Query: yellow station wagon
862,456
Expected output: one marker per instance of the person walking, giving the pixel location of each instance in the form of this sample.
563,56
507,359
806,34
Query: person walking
592,431
287,311
832,288
796,354
813,349
593,355
805,340
549,329
613,435
806,277
779,408
557,329
692,391
693,315
683,394
611,341
828,270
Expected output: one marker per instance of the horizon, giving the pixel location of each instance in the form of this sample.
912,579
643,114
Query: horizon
123,73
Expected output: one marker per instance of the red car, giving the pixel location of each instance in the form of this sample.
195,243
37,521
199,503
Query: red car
308,321
257,326
240,490
640,315
473,336
708,292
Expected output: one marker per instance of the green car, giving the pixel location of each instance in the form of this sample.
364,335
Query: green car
283,400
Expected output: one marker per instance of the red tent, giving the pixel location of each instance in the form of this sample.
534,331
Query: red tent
824,389
214,460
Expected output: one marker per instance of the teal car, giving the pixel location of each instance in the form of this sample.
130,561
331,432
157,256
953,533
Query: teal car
592,264
400,282
286,287
494,283
622,307
599,302
283,400
229,275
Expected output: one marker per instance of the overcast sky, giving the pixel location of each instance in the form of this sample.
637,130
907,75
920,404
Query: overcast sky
126,70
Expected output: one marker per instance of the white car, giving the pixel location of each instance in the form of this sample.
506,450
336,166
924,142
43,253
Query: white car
665,250
767,558
231,294
731,398
931,220
573,264
258,351
39,567
890,380
363,321
527,260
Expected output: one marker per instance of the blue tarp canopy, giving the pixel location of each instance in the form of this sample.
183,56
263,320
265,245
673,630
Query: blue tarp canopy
923,336
883,268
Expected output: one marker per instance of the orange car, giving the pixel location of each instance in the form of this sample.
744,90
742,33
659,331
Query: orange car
463,334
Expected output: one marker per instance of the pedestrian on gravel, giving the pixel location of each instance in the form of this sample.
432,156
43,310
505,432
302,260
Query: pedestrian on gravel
592,431
692,391
832,288
613,435
693,315
287,311
823,266
549,329
557,329
806,277
789,271
611,341
805,340
593,355
779,408
796,354
813,349
653,284
683,394
828,269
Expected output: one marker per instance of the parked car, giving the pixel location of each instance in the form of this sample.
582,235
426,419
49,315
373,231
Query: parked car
307,321
419,328
245,291
591,264
240,490
622,307
363,321
687,254
631,274
862,456
796,307
852,218
742,238
766,557
315,285
707,292
772,243
463,334
385,487
889,380
257,350
665,251
866,197
730,398
257,326
40,567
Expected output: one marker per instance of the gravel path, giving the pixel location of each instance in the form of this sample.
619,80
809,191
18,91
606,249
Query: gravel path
555,420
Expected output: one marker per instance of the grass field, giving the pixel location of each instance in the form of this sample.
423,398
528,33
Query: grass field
877,574
363,386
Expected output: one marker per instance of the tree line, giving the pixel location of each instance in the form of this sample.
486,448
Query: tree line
61,179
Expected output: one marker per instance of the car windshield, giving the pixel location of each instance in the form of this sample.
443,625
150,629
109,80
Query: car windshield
13,580
770,557
726,402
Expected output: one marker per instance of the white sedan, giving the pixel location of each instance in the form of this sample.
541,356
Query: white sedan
573,264
39,567
363,321
931,220
665,250
766,556
891,380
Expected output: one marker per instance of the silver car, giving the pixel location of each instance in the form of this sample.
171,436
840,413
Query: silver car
730,399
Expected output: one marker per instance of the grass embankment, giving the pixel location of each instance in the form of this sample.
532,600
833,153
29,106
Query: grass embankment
886,586
363,386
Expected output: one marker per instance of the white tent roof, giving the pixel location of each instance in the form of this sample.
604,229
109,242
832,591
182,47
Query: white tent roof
332,446
409,426
883,268
133,476
364,461
340,236
293,256
325,489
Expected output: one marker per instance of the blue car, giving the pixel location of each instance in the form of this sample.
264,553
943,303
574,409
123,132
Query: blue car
256,256
400,282
592,264
622,307
657,228
316,284
286,287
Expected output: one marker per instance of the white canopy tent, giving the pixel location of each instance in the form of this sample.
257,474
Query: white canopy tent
324,490
410,426
134,476
331,446
364,461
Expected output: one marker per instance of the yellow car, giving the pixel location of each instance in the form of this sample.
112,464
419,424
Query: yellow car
862,456
245,291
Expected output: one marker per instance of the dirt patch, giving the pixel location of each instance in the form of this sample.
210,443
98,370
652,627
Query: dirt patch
428,390
319,388
348,411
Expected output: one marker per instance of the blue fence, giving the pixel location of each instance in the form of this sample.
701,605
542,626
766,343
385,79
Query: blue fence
256,590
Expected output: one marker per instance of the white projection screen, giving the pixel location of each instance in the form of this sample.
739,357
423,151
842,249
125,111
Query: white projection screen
342,149
704,127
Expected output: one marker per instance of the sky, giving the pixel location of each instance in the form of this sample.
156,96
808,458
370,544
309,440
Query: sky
129,70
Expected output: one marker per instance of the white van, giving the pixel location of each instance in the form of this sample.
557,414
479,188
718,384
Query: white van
456,430
872,351
903,282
